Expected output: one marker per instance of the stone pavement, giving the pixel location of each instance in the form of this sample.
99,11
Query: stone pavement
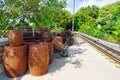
83,63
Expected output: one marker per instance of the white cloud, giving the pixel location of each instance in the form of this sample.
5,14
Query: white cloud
85,3
99,3
69,9
69,6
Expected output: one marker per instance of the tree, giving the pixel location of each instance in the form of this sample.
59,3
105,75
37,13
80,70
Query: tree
64,19
108,17
86,17
18,13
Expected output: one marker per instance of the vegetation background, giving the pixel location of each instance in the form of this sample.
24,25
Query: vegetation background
102,22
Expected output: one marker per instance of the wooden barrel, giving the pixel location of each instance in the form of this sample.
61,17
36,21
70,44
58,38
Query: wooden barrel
27,33
58,45
30,43
38,59
38,32
60,34
15,60
46,34
59,38
15,37
51,51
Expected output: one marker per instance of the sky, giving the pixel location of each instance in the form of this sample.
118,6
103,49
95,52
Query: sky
83,3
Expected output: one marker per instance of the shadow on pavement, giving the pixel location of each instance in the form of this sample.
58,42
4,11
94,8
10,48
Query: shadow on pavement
59,62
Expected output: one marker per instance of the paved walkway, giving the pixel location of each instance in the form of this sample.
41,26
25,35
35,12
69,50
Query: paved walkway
84,63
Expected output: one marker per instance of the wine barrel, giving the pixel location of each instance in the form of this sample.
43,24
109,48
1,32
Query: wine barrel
27,33
46,34
38,32
51,51
30,43
38,59
59,38
58,45
15,38
60,34
15,60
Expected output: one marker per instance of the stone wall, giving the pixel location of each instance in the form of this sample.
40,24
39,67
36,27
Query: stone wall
3,42
1,65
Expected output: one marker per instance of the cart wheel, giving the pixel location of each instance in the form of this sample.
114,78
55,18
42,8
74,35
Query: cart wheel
64,53
70,41
64,40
